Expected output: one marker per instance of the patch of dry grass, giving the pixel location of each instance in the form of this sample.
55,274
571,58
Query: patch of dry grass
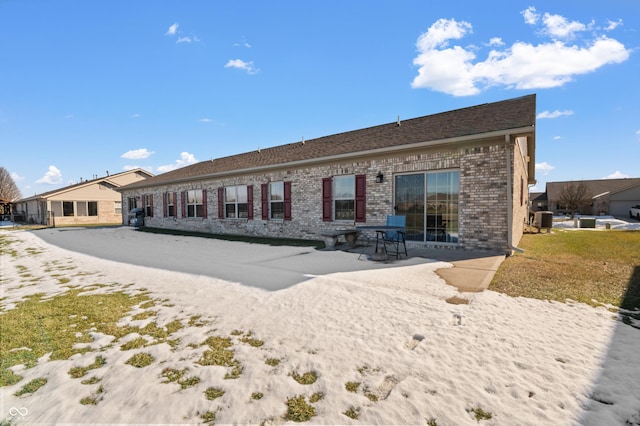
587,266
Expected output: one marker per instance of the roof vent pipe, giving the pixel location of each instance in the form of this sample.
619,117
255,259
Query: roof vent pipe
398,122
303,140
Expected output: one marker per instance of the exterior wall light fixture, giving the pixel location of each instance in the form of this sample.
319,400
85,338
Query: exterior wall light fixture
379,177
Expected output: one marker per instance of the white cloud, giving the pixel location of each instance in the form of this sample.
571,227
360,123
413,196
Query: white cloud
187,39
496,41
173,29
135,115
530,15
612,25
205,120
185,160
16,177
53,176
455,70
544,168
638,132
137,154
558,27
617,175
553,114
557,138
242,65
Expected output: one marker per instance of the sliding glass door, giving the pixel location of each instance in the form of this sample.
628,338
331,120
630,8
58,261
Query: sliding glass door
430,203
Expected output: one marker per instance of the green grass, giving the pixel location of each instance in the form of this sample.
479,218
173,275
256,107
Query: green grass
274,362
31,387
307,378
352,386
77,372
257,395
51,325
480,414
213,393
219,354
140,360
298,410
352,413
592,267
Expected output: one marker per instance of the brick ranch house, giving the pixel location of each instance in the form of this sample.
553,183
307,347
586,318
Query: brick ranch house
460,177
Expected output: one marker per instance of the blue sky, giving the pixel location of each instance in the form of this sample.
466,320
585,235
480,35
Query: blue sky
88,87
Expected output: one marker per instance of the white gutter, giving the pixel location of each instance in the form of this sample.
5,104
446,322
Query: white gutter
507,139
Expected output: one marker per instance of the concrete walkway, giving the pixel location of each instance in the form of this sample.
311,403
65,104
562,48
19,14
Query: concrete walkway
472,270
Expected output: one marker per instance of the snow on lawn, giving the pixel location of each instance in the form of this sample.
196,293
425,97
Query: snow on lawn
566,222
414,357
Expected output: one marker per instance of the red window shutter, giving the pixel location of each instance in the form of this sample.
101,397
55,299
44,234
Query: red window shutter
326,199
250,202
287,201
264,195
204,203
151,205
164,204
361,198
221,203
184,203
175,204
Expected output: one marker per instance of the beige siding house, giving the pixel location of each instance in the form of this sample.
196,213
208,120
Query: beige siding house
93,202
460,178
603,196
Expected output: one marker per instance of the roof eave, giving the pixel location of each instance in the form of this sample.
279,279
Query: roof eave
520,131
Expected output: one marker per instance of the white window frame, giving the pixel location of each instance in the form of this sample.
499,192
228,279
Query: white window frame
236,202
195,205
276,189
342,183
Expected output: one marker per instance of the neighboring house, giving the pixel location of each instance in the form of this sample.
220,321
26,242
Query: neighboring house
604,196
538,201
93,201
460,177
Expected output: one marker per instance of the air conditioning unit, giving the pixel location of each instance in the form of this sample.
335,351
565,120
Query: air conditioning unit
543,220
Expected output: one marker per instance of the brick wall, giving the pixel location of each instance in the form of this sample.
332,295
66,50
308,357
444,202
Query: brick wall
483,197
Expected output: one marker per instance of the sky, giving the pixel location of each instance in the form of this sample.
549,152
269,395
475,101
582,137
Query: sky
95,88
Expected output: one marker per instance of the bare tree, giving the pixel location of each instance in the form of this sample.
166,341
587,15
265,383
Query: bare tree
573,197
8,189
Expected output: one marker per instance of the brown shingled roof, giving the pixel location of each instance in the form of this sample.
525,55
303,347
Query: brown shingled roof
491,117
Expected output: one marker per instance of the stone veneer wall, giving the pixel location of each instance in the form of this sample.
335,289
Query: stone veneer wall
482,203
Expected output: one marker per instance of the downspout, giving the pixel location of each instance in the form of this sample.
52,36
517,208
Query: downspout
507,139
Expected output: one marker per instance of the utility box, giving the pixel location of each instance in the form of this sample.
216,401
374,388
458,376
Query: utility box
543,220
587,222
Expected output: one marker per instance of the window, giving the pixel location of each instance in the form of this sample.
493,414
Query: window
344,194
344,198
87,208
194,203
148,205
236,202
67,208
56,208
430,203
118,207
169,204
276,200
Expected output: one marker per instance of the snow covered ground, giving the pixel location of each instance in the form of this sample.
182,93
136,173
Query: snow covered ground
566,222
418,359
